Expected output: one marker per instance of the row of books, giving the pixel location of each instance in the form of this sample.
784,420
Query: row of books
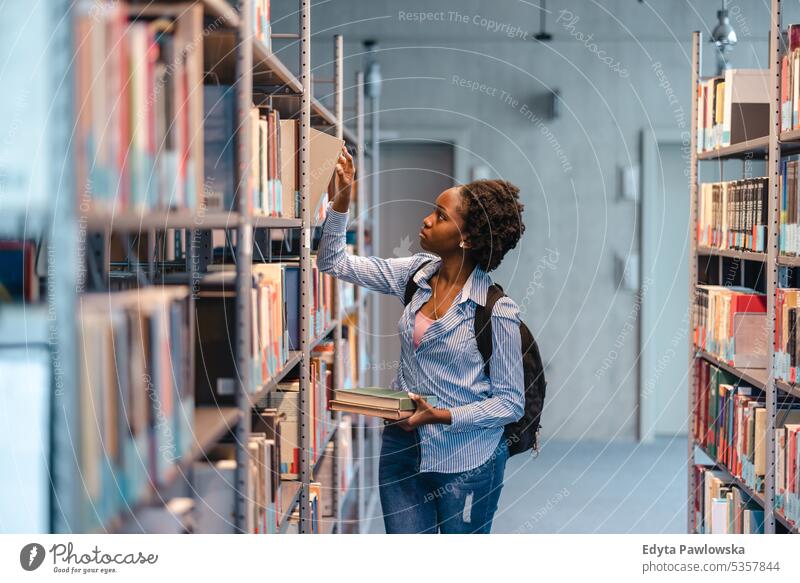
730,422
322,286
349,351
272,171
790,80
215,487
275,296
732,108
271,329
316,500
722,402
137,108
286,401
321,489
273,186
275,304
733,214
731,324
321,375
721,507
136,404
345,462
787,466
273,168
788,241
212,507
325,477
267,494
731,327
785,345
263,484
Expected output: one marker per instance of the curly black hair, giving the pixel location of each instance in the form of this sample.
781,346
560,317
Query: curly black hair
492,220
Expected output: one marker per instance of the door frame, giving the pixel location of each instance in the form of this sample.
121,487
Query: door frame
459,139
651,139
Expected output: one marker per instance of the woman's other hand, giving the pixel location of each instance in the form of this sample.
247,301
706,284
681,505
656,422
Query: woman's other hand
424,414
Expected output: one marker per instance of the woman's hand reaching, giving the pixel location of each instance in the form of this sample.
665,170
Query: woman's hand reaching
345,174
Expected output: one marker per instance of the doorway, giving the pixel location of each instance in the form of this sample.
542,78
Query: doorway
413,173
663,389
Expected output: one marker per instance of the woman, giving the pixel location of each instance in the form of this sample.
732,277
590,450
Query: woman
442,468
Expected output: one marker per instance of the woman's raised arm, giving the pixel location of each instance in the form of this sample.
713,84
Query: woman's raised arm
386,276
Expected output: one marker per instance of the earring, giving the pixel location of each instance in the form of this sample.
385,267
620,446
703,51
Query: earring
461,244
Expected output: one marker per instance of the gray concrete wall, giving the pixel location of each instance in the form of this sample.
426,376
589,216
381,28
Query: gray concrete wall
567,168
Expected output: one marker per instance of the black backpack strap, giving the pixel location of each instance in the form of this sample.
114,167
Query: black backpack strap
483,324
411,285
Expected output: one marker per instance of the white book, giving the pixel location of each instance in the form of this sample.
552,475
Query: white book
263,132
780,461
742,86
700,120
255,173
25,486
719,516
725,193
796,90
215,484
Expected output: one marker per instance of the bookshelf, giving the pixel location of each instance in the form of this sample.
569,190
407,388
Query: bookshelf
768,267
228,50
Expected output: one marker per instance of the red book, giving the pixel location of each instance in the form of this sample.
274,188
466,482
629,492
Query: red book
779,299
794,36
791,450
123,62
747,303
152,58
184,109
784,79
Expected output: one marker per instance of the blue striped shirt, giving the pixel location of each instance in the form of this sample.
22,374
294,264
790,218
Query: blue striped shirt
447,362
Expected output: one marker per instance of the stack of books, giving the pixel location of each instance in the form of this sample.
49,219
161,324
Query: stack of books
377,402
733,214
137,87
730,323
733,108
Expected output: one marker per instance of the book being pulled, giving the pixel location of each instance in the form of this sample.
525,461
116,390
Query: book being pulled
377,402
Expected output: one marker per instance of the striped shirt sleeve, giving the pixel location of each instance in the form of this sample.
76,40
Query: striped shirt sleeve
507,401
386,276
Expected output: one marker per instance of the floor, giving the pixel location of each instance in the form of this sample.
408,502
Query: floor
593,487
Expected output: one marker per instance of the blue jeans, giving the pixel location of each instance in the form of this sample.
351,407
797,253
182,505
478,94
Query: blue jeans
431,502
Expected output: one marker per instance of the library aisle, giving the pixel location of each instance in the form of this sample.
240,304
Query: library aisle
276,267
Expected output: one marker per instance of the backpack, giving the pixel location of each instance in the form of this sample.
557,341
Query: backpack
523,434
